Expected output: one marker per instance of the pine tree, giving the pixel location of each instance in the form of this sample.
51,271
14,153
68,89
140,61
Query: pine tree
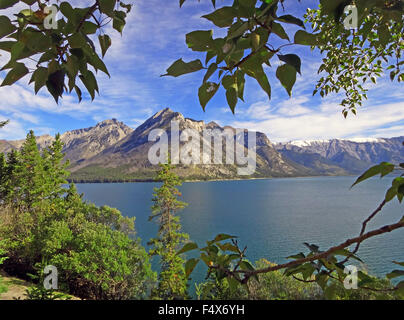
9,181
30,174
55,168
172,279
3,177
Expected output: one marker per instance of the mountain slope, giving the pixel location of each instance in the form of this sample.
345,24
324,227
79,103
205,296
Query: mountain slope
128,159
112,151
353,156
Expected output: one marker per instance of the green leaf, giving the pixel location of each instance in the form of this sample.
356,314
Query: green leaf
55,84
400,289
40,76
383,169
287,76
67,10
211,70
248,3
235,32
190,266
223,236
279,31
89,27
233,284
330,292
305,38
228,247
322,279
180,67
297,256
128,7
240,76
95,61
232,98
105,43
395,274
78,92
188,247
262,79
199,40
7,45
330,7
77,40
6,26
16,50
107,6
346,253
222,17
312,247
293,60
390,194
118,22
246,265
291,19
72,66
206,92
7,3
19,71
90,83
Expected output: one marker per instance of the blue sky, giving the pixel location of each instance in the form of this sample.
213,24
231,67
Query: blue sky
155,37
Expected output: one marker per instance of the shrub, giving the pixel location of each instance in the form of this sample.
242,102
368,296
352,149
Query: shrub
42,223
277,286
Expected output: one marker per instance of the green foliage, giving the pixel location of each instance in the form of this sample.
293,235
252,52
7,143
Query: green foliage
29,177
39,292
3,258
385,168
66,51
3,123
278,286
172,280
248,48
354,58
94,248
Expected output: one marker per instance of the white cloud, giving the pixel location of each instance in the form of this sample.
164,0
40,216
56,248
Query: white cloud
12,131
327,123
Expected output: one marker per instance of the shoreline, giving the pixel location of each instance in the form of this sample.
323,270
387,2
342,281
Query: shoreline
209,180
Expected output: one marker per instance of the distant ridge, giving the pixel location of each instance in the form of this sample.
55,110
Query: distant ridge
111,151
352,155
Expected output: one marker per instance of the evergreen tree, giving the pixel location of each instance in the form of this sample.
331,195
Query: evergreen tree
3,176
31,174
9,182
172,282
55,168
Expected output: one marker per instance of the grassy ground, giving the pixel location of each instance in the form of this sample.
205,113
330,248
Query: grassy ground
12,288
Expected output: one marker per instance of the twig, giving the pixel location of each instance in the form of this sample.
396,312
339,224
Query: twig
323,255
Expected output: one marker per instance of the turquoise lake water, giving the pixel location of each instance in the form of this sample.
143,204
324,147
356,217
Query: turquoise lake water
271,217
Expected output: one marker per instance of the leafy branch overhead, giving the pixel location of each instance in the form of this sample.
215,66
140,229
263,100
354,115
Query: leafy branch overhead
256,35
59,55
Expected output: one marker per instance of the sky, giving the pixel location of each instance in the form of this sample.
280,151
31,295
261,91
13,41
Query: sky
153,39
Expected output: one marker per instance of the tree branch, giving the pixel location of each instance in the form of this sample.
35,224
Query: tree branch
321,255
364,225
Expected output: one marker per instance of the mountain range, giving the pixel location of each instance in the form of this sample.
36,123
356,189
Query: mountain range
111,151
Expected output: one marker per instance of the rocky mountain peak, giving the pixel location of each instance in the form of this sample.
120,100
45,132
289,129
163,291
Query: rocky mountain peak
163,113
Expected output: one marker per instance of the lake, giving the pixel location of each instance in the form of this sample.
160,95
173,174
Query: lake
271,217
